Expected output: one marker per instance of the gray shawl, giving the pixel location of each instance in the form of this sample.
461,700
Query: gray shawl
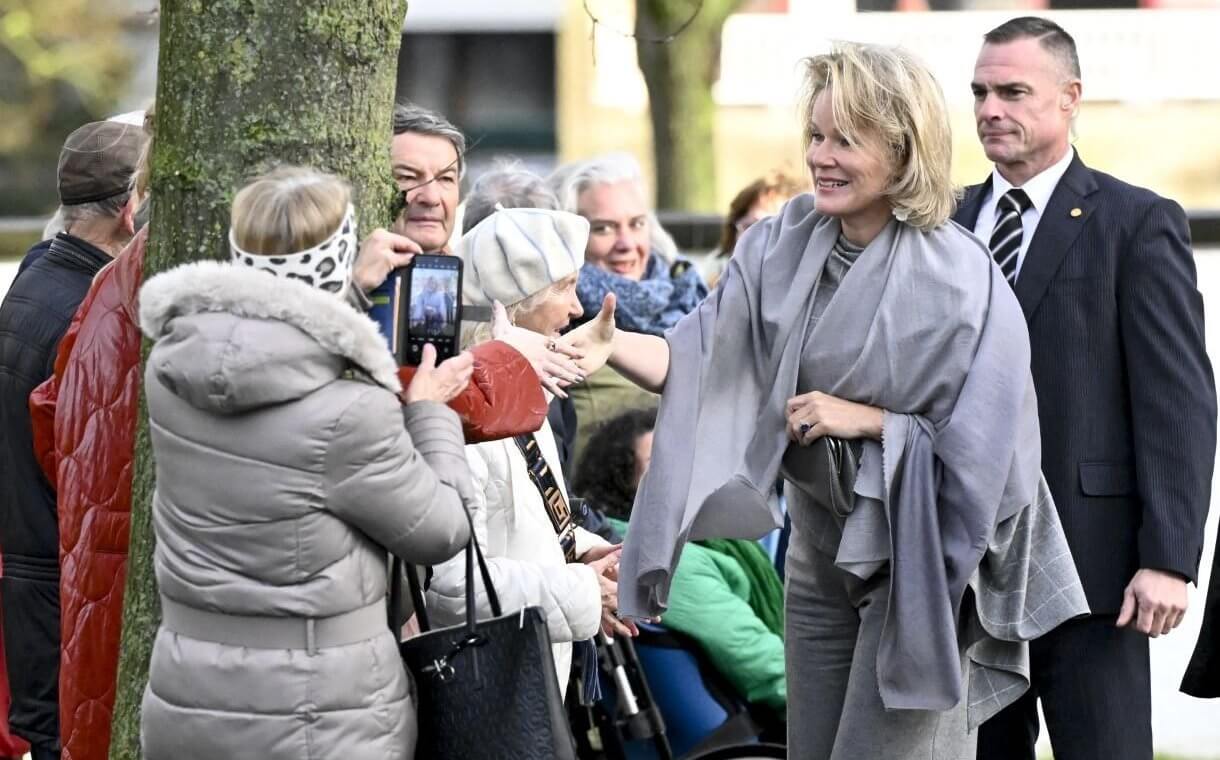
925,327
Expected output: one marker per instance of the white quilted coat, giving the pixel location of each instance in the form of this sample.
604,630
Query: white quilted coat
523,553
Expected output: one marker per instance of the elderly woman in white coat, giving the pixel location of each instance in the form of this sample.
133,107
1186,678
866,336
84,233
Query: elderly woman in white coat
528,260
287,465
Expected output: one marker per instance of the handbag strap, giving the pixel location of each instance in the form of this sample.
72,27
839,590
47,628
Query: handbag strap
473,551
557,507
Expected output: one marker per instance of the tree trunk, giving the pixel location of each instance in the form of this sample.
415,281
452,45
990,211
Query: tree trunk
244,85
679,75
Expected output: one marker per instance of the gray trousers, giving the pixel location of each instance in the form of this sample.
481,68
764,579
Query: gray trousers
832,628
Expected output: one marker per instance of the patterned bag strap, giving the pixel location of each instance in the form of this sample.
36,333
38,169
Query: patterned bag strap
552,495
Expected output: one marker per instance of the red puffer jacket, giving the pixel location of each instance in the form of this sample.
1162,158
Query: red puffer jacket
504,397
84,421
84,432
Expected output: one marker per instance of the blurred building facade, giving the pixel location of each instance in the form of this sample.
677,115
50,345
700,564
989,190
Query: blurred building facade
544,82
1152,102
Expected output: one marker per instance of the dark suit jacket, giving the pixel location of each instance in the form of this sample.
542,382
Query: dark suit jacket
1126,396
1202,677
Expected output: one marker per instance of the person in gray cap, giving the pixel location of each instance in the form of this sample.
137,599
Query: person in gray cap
95,169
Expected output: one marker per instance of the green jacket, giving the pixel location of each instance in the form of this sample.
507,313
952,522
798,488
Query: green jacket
708,603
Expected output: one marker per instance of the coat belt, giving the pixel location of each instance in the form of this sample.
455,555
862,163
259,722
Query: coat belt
267,632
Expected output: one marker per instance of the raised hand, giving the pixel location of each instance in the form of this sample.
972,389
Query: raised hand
594,339
554,363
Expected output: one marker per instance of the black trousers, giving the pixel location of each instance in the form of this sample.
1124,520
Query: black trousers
31,647
1094,681
44,753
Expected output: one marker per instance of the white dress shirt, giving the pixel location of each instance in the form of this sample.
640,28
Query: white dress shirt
1038,188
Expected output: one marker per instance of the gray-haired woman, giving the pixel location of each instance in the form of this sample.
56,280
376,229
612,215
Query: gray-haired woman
871,326
529,260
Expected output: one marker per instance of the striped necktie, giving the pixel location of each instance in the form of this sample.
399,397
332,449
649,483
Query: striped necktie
1006,238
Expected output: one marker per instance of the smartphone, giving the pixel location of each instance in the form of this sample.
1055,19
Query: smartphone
432,309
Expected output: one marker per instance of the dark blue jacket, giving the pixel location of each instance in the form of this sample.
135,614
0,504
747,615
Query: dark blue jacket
35,314
34,254
1126,395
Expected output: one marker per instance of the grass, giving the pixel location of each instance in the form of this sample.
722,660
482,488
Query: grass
14,244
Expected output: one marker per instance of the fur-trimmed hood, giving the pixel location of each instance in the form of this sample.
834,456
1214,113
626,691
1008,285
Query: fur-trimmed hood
231,339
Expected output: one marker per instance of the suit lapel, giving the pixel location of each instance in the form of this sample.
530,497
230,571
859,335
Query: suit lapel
1061,222
967,214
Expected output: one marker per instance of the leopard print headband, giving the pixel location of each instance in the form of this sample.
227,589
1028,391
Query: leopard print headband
327,266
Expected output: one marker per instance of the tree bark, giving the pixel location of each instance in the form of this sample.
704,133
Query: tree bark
244,85
679,75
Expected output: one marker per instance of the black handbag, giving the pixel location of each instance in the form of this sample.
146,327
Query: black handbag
826,470
486,689
838,459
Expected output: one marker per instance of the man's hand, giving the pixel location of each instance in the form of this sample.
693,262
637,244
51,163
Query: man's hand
594,339
551,361
381,253
1154,602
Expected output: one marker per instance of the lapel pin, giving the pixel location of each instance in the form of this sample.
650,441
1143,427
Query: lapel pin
1075,213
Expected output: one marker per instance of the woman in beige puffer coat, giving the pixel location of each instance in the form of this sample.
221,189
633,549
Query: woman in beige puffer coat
286,468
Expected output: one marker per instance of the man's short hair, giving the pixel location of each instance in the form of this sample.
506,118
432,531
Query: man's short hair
1049,35
413,118
509,185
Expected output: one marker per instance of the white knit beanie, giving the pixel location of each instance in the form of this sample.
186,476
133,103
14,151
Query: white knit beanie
516,252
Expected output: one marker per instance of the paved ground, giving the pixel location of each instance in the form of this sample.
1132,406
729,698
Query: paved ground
1182,725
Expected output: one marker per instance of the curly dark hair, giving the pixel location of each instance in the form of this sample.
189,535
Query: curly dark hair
607,465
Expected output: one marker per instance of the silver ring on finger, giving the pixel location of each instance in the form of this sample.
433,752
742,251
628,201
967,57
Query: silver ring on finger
805,428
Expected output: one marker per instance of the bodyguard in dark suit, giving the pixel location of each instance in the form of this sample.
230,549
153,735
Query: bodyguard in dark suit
1105,275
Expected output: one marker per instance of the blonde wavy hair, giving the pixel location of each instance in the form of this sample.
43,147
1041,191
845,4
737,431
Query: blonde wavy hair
141,178
289,209
885,94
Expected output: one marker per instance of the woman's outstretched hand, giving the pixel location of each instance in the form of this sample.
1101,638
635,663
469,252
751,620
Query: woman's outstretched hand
594,340
813,415
554,363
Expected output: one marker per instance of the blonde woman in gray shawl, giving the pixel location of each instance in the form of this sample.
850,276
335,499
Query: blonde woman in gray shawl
870,351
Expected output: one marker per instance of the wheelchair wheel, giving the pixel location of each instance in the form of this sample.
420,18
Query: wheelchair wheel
743,752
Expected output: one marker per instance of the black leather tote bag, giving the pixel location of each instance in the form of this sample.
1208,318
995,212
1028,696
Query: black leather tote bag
486,689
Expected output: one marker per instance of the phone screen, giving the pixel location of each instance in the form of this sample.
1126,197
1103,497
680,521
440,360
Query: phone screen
434,298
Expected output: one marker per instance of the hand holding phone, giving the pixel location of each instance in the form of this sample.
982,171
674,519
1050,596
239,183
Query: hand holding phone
440,384
433,307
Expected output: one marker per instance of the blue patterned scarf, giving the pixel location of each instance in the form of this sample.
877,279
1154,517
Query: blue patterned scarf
650,305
